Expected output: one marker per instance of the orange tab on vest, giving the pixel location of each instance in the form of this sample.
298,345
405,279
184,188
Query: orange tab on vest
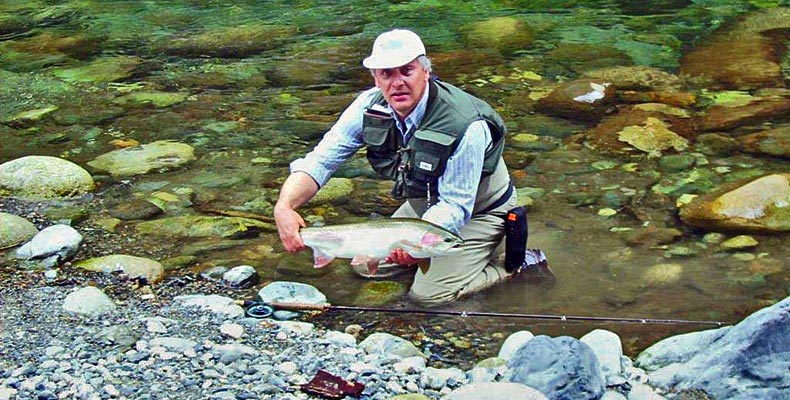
512,217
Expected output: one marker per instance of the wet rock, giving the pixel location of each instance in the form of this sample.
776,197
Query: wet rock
151,99
135,267
28,118
758,205
200,226
582,99
577,58
51,246
739,242
744,55
715,144
89,301
15,230
641,78
290,292
676,163
771,142
100,70
696,181
334,191
561,367
725,117
615,133
135,209
229,42
735,63
214,274
385,343
653,137
240,277
731,362
379,293
502,34
45,49
155,156
69,215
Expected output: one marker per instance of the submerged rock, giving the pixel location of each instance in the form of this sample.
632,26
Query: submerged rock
335,190
230,42
155,156
582,99
151,99
15,230
201,226
746,361
379,293
771,142
652,138
761,205
27,118
101,70
505,35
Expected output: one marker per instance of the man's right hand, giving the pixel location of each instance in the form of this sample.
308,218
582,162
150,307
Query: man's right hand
288,224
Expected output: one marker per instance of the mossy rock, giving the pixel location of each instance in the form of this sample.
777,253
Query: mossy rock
505,35
378,293
15,230
137,160
151,99
201,226
101,70
334,191
134,267
43,177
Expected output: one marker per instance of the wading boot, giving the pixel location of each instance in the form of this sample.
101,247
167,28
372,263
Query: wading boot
535,269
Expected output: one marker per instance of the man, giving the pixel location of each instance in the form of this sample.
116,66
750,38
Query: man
441,146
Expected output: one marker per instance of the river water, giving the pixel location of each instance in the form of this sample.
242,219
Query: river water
261,81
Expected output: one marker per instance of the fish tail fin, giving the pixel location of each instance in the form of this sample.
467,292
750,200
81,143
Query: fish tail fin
373,266
321,259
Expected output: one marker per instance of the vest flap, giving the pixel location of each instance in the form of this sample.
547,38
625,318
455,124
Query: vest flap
434,136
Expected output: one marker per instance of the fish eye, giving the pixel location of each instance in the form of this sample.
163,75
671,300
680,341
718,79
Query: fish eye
448,240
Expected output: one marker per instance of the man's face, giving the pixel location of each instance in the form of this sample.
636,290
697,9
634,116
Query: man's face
403,86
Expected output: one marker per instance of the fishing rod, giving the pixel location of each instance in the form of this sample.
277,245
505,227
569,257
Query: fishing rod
264,310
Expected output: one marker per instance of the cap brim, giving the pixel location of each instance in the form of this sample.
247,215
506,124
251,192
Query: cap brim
372,63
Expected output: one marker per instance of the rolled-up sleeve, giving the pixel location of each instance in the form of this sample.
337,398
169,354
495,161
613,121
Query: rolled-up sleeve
338,144
459,183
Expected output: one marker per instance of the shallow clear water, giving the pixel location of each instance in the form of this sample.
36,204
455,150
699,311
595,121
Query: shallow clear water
289,69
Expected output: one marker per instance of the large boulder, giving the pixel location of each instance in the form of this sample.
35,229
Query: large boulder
137,160
760,205
43,177
744,55
561,368
746,361
15,230
51,246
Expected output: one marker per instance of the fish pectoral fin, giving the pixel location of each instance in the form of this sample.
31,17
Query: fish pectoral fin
359,260
321,259
373,266
424,264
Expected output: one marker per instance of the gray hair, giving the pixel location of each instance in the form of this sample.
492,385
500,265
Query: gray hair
423,60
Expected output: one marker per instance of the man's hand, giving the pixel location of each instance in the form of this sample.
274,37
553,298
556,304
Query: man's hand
288,224
401,257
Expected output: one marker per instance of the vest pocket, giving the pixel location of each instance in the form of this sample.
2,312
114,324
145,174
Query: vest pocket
430,153
376,131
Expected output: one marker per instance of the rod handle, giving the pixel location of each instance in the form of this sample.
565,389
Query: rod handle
300,306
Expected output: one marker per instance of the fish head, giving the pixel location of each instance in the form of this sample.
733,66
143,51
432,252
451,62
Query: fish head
440,243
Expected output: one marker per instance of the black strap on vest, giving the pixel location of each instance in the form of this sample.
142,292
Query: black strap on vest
502,200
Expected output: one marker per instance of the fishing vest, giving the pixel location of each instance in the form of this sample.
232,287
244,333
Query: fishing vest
417,165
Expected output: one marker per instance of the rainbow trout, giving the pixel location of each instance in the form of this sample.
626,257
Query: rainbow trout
370,242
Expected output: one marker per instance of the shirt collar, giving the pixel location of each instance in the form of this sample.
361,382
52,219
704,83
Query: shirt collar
415,117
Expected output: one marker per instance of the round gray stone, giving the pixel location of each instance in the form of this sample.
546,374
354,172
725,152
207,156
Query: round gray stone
43,177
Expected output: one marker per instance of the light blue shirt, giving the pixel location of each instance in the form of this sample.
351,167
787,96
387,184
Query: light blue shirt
457,185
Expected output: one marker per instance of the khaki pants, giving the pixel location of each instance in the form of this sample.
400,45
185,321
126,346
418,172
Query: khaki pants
478,266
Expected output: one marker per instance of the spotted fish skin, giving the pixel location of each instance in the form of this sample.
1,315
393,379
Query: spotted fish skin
370,242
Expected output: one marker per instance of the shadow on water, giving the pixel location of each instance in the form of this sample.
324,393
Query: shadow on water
262,81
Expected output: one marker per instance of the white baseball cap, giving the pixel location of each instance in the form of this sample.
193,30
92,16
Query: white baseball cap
393,49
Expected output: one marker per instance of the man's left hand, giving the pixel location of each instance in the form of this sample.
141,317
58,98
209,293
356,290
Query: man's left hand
401,257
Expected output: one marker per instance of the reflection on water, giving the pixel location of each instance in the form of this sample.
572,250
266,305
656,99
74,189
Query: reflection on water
257,83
